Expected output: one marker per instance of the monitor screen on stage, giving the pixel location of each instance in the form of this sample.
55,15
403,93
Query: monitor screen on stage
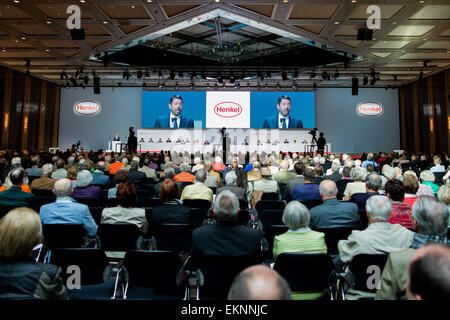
230,109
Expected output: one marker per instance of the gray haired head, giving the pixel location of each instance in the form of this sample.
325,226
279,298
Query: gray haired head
200,175
226,207
379,207
373,182
84,179
431,216
230,177
169,172
296,215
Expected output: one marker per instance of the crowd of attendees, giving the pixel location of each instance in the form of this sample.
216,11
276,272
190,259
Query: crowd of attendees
396,204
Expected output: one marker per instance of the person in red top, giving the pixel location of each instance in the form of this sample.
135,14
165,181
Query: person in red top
184,175
218,165
116,166
411,185
401,212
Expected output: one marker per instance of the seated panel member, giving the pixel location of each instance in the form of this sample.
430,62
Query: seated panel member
282,120
174,119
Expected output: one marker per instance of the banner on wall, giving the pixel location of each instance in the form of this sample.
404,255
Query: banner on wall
87,108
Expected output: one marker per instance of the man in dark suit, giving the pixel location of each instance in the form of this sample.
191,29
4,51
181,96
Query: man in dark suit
299,180
225,238
333,213
230,184
134,175
282,120
174,119
335,176
14,196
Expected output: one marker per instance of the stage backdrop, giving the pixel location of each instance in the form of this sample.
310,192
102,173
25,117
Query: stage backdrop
335,114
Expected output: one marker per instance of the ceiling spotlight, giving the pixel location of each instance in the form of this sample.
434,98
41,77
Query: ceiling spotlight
146,74
295,76
139,74
314,86
86,79
284,75
63,75
172,75
313,74
324,75
336,75
365,81
278,86
176,86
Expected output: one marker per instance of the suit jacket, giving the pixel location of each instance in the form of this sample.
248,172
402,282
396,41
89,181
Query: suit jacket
334,214
43,183
100,179
272,122
164,122
15,197
135,175
297,181
221,240
171,212
284,176
377,238
335,176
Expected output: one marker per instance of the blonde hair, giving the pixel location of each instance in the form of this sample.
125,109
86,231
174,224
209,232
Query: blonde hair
20,231
443,194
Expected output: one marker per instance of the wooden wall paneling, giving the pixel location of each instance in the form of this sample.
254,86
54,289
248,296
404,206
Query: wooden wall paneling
25,113
432,116
416,112
42,109
55,130
6,106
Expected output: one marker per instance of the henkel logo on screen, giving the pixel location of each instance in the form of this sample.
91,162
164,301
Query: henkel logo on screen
369,109
87,107
228,109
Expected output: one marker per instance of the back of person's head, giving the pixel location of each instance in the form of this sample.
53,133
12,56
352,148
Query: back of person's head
443,194
370,168
427,176
230,177
35,161
134,165
429,273
84,178
299,168
72,172
60,164
328,188
430,216
200,175
125,160
47,168
259,282
62,188
16,176
335,167
296,215
15,161
169,172
185,167
218,159
357,174
411,184
20,231
437,160
120,176
309,175
395,189
101,165
284,165
346,172
265,173
207,165
256,165
169,190
126,195
226,207
318,171
388,172
379,207
373,182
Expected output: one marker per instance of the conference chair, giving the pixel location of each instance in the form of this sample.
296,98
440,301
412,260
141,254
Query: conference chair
96,213
151,275
270,196
271,232
5,209
333,236
119,236
43,193
283,194
218,272
270,217
307,272
150,202
173,237
438,178
360,269
270,205
61,236
243,204
200,206
184,184
93,268
243,217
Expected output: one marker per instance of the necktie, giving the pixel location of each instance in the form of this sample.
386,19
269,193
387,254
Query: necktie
174,121
283,123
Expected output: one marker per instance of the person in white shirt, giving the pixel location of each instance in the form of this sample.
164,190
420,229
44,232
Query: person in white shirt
438,167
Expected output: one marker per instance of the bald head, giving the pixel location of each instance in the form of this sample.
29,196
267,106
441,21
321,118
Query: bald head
328,189
259,282
62,188
429,273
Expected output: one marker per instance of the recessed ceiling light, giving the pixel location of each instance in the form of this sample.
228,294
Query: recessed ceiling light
336,22
353,1
48,50
421,1
149,1
23,38
82,1
48,22
285,1
105,22
132,7
394,22
16,1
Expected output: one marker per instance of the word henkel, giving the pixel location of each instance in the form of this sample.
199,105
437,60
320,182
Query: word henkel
228,109
87,107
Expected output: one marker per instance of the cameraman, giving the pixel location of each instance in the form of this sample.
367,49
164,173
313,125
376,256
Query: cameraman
321,142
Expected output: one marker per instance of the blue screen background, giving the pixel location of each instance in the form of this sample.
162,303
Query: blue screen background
262,105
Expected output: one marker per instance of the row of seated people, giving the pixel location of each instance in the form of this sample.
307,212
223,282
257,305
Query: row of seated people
238,239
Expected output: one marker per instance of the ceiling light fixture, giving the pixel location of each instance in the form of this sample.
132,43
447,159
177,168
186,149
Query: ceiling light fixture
48,22
278,86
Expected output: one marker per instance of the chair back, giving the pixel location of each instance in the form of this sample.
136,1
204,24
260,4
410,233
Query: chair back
185,183
243,204
333,236
362,268
270,196
63,235
283,188
262,205
305,271
173,237
96,213
152,269
150,202
220,271
89,202
243,217
44,193
92,263
269,235
5,209
438,178
118,237
270,217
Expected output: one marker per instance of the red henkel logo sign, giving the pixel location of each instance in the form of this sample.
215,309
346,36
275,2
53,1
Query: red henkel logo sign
87,107
369,109
228,109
